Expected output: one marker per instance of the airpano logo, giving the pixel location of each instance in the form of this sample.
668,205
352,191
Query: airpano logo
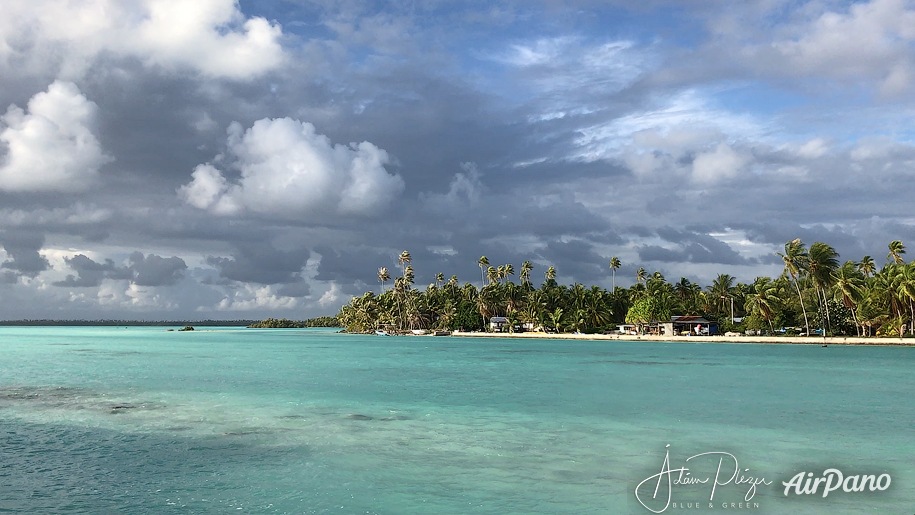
832,480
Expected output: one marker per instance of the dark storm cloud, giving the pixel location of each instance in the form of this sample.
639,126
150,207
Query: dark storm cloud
576,258
142,270
22,249
262,264
153,270
349,264
89,273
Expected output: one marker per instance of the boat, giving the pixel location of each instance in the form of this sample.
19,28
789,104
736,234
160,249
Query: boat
442,333
381,332
419,332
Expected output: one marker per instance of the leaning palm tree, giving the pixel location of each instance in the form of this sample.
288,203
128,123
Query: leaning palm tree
615,264
795,260
897,249
483,263
550,274
822,262
641,275
383,276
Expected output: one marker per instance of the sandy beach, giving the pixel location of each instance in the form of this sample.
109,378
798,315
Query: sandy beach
797,340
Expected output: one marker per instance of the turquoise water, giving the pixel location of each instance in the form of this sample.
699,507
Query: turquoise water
140,420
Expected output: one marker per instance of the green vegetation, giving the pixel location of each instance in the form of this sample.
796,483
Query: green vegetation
815,294
285,323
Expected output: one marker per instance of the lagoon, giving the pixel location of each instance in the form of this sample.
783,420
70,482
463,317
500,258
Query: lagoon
141,420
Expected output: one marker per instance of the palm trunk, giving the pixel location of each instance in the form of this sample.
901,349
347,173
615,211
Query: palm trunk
912,318
854,317
828,321
804,309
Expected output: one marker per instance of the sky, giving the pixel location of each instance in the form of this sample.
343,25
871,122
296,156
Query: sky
164,159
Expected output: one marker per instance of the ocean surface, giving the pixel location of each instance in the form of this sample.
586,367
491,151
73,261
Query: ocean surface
228,420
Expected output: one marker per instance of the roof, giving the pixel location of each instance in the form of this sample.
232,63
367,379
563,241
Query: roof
498,319
689,319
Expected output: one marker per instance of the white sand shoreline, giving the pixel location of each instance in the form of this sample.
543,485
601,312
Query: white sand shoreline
789,340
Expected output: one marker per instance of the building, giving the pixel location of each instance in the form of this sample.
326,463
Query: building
498,324
689,325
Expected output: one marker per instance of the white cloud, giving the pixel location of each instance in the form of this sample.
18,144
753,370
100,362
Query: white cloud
289,170
870,41
208,190
682,124
721,163
254,298
212,37
51,147
815,148
331,297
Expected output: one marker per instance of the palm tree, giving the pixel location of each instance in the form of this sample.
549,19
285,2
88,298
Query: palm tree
722,289
763,300
383,276
795,260
687,293
905,290
614,266
492,274
866,266
849,283
556,319
508,270
526,268
822,262
483,263
897,249
640,275
550,274
405,259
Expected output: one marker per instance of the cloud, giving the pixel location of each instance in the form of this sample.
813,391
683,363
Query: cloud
688,246
153,270
140,270
251,298
22,249
89,272
52,146
261,263
465,191
721,163
816,41
288,170
211,37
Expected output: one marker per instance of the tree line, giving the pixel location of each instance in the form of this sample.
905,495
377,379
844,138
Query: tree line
285,323
814,294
